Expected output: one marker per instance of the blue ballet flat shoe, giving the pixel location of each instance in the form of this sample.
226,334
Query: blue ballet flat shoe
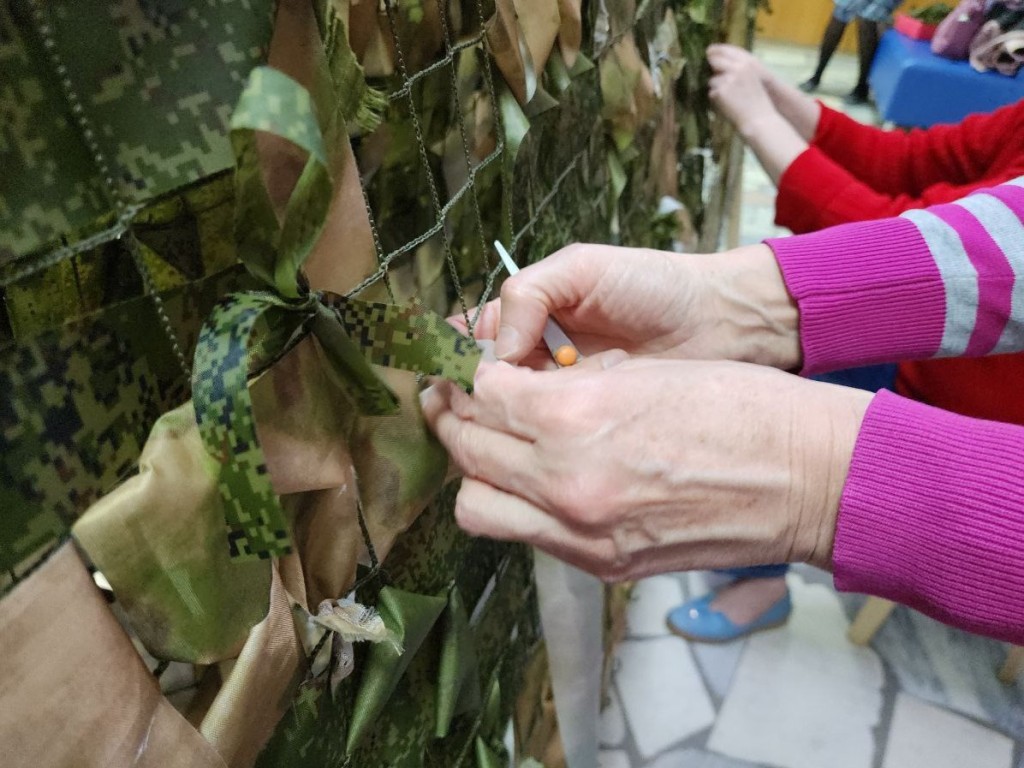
696,620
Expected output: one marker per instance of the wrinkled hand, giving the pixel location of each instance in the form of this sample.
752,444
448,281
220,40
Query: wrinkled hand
727,55
737,88
646,302
628,467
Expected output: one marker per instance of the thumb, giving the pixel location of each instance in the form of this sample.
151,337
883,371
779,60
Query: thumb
558,282
525,308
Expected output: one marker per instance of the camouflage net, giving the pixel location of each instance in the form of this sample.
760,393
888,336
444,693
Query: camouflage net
139,271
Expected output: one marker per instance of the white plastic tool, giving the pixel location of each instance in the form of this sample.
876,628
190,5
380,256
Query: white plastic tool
561,347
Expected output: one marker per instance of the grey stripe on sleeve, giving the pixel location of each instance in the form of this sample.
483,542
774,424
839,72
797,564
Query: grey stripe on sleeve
1008,233
959,276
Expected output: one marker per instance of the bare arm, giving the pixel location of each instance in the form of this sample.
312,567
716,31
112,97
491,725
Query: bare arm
775,143
800,110
737,90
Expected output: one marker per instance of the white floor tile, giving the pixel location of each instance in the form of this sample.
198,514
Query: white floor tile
803,697
718,662
608,758
950,668
957,679
662,693
696,758
649,601
778,56
925,735
613,723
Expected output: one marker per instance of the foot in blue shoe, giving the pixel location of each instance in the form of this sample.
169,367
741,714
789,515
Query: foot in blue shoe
696,620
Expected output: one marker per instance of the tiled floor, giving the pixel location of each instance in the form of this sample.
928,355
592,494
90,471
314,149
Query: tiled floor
922,696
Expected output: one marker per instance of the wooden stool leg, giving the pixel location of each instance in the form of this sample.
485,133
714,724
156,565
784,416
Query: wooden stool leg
870,617
1014,665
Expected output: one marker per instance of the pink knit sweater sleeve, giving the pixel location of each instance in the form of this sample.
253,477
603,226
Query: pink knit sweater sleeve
932,514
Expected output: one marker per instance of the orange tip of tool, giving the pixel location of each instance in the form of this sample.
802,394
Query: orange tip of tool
566,356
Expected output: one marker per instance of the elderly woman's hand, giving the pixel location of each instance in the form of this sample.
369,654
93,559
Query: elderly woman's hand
627,467
653,303
738,90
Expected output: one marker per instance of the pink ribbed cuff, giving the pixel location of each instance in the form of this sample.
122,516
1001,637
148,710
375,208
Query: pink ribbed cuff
932,516
868,293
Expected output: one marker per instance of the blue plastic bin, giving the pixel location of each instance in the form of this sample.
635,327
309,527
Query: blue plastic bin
914,87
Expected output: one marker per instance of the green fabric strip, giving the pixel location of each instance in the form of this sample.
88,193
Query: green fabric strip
249,330
458,686
349,365
256,523
274,103
180,591
410,338
357,102
410,617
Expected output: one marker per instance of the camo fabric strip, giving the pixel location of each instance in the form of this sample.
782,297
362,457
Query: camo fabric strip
255,520
410,616
410,338
360,104
274,103
353,333
349,367
458,669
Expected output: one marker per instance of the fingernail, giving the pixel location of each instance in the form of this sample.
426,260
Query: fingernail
507,343
486,350
427,397
613,357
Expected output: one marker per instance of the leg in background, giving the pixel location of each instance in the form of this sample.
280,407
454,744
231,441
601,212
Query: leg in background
757,599
752,594
829,42
773,571
867,44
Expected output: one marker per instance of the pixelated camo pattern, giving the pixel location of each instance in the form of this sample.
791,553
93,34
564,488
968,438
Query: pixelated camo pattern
72,421
256,524
77,404
410,338
276,104
157,80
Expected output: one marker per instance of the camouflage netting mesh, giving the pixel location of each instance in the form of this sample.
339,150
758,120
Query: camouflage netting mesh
225,522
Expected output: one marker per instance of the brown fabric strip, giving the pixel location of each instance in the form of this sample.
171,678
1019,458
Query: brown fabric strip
259,687
67,668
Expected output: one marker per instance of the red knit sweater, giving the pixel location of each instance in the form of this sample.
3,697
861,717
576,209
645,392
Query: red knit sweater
854,172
